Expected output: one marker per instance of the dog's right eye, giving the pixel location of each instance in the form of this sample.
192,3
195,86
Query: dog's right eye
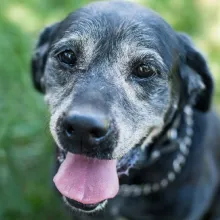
68,57
144,71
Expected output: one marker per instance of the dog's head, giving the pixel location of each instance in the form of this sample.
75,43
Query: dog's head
113,75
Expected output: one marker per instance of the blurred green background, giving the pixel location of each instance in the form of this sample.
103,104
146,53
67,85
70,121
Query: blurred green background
25,143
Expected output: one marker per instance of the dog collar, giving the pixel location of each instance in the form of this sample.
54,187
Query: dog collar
182,145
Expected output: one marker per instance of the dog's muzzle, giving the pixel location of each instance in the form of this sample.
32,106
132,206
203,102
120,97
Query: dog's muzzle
88,175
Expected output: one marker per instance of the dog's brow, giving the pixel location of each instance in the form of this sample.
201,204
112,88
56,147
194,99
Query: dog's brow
144,53
66,41
140,51
153,55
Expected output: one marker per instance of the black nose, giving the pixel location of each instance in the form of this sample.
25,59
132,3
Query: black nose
85,126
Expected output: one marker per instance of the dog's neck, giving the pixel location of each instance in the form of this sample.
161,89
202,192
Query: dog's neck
174,182
173,145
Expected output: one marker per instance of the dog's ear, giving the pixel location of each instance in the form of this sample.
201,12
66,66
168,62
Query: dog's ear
195,74
39,57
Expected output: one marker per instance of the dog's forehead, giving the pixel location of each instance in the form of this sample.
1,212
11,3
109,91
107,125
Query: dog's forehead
124,19
114,25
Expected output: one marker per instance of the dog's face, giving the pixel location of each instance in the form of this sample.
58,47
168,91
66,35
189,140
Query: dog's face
113,74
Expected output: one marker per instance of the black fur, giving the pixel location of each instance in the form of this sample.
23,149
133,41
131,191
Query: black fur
196,64
182,78
39,57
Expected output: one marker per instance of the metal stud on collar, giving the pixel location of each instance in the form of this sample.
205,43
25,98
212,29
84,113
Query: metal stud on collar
177,165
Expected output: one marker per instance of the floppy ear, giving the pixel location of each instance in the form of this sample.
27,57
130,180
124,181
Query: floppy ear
39,57
196,76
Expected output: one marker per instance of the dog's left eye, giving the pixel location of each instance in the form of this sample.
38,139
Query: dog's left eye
144,71
67,57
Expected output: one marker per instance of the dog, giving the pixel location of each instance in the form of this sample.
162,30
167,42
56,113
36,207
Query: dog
130,101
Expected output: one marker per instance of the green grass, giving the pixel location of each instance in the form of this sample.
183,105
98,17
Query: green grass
25,143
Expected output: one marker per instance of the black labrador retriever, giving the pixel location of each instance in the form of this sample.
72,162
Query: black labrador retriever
129,100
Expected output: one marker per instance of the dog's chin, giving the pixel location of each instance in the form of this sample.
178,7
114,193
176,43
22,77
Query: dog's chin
123,165
84,208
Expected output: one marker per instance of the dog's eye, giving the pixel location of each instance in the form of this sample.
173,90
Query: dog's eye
67,57
144,71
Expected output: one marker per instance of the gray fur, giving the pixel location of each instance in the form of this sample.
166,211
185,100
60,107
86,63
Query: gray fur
110,39
133,40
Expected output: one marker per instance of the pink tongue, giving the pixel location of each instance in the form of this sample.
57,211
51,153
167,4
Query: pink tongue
87,180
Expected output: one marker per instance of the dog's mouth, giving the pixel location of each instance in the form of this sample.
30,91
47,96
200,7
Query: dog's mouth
87,183
86,208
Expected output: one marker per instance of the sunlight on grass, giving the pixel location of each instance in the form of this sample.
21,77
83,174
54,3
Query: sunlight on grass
139,1
209,39
23,16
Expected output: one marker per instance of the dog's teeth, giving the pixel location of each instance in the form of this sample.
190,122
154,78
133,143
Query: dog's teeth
60,158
